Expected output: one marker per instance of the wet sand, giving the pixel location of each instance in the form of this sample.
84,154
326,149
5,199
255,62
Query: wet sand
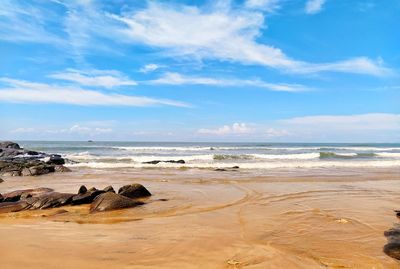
206,219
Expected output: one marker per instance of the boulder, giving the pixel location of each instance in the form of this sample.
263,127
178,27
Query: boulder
1,198
7,207
86,198
9,145
112,201
61,169
18,194
56,160
49,200
109,189
37,170
1,180
134,191
392,248
12,173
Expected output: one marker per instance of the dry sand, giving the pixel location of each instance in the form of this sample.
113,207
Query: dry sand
280,219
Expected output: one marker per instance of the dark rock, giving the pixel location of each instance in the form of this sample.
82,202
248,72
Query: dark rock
235,167
86,198
37,170
1,198
9,145
220,170
109,189
61,169
12,173
82,189
112,201
56,160
392,249
170,161
49,200
92,189
7,207
16,195
1,180
31,153
134,191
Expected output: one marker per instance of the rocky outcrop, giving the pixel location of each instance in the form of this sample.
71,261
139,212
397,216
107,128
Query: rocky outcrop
86,197
392,248
1,180
134,191
100,200
170,161
112,201
9,145
15,161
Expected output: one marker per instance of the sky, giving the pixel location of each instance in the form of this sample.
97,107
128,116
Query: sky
213,70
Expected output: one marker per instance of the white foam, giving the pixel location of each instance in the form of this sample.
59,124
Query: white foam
249,165
302,156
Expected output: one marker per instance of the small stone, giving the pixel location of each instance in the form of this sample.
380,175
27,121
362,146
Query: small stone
134,191
109,189
343,221
82,190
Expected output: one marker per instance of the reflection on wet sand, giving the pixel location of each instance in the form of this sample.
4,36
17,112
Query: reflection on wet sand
205,219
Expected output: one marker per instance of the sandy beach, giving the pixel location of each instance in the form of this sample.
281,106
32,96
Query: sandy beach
199,218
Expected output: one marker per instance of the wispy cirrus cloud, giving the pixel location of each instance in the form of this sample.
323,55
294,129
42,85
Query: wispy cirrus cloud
222,34
171,78
314,6
365,122
19,91
25,22
95,78
264,5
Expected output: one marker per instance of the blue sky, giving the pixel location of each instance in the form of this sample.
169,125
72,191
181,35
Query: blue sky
249,70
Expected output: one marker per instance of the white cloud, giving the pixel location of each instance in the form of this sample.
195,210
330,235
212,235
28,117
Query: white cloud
95,78
314,6
149,68
361,122
78,129
265,5
20,91
234,129
360,65
179,79
23,130
221,34
26,23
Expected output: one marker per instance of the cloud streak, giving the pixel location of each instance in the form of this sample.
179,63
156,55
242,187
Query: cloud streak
19,91
171,78
95,78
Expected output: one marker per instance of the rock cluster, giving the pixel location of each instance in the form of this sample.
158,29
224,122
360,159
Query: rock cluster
100,200
15,161
392,248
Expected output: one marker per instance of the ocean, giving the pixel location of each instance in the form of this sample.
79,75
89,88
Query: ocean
221,155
